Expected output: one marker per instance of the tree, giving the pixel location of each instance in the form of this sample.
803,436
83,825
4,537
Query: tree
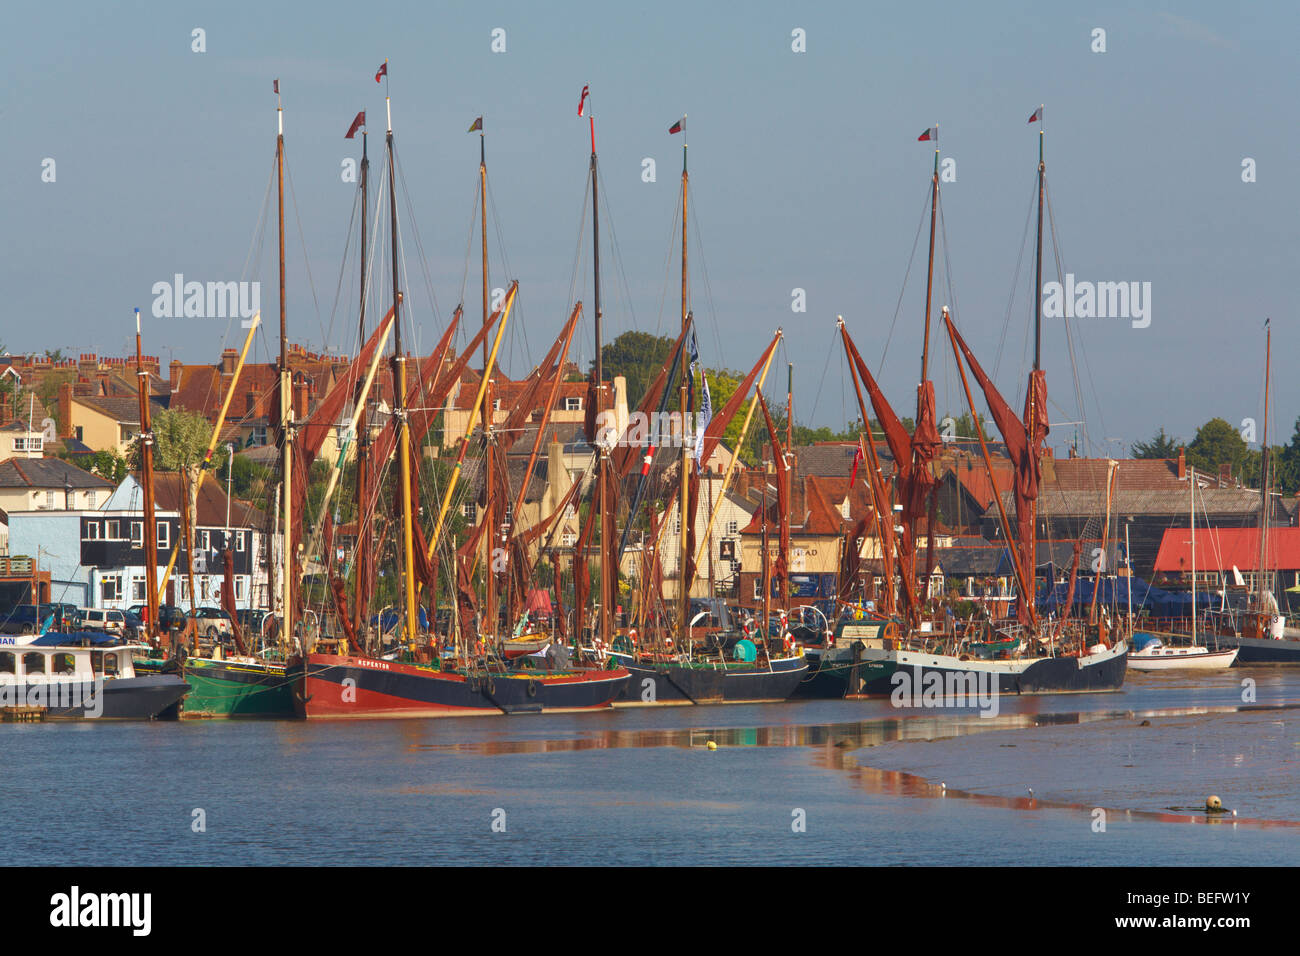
180,439
1287,463
1160,446
638,357
48,391
1217,443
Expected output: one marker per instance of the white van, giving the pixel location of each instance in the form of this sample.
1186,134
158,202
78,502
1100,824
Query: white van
109,620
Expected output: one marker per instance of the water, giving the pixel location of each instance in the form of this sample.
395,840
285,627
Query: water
641,787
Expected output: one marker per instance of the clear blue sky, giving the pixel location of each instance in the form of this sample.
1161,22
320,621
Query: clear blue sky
805,173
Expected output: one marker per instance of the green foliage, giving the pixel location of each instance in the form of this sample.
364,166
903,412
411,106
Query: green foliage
180,439
1217,443
48,391
107,464
638,356
1160,446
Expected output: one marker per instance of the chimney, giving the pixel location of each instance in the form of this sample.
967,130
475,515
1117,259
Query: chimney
620,404
1225,476
65,410
175,373
1182,462
300,397
250,404
228,359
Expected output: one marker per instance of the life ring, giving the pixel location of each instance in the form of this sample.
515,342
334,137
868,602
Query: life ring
789,642
631,636
748,627
478,648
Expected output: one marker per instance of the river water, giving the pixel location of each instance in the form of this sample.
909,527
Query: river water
1071,779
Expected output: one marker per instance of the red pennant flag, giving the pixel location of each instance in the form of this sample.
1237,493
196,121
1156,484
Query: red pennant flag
357,123
383,71
583,101
477,124
1036,116
275,87
678,126
857,459
931,133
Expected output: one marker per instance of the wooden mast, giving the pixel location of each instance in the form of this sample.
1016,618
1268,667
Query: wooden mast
1264,487
684,588
604,484
363,563
1029,548
146,478
399,409
286,408
489,489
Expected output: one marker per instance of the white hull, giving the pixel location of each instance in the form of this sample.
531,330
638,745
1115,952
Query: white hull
1181,658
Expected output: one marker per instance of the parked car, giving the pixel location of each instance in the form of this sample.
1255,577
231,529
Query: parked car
67,617
171,617
251,620
108,620
26,619
133,629
213,621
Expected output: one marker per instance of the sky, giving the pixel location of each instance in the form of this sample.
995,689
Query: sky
805,172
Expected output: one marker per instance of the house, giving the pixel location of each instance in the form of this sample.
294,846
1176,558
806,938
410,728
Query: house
96,557
1147,497
719,563
18,440
101,422
49,484
1229,557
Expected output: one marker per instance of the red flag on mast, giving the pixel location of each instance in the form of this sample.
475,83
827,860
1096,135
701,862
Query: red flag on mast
1036,115
678,126
275,87
931,133
583,101
357,123
383,71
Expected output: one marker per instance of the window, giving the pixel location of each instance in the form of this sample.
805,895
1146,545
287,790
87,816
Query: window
205,543
164,537
92,498
110,589
29,444
112,530
137,533
49,499
568,539
257,436
64,663
92,531
469,509
241,588
239,541
205,588
573,403
6,662
138,594
79,433
758,589
34,663
733,528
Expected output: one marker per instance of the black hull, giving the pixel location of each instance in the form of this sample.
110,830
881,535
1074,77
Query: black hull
1262,651
835,675
1044,675
151,697
668,684
392,689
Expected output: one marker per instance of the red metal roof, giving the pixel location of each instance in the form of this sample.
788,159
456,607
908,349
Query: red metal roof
1220,549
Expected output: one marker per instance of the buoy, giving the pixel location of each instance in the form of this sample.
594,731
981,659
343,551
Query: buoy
711,745
1213,804
1145,723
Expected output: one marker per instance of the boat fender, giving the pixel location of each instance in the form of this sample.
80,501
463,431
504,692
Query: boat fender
489,687
631,635
532,688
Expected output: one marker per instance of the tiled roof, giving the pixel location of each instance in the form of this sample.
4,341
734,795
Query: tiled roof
47,473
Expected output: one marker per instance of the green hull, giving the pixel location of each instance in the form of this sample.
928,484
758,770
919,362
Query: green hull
236,689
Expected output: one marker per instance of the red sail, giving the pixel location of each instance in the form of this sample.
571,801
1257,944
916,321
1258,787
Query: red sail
1024,441
780,571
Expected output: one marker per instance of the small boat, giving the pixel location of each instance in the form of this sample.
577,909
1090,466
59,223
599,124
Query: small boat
82,676
1155,655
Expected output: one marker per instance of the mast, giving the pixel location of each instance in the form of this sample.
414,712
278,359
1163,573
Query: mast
146,477
1191,473
286,406
684,592
489,489
603,484
363,439
399,410
1038,259
929,278
1264,481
